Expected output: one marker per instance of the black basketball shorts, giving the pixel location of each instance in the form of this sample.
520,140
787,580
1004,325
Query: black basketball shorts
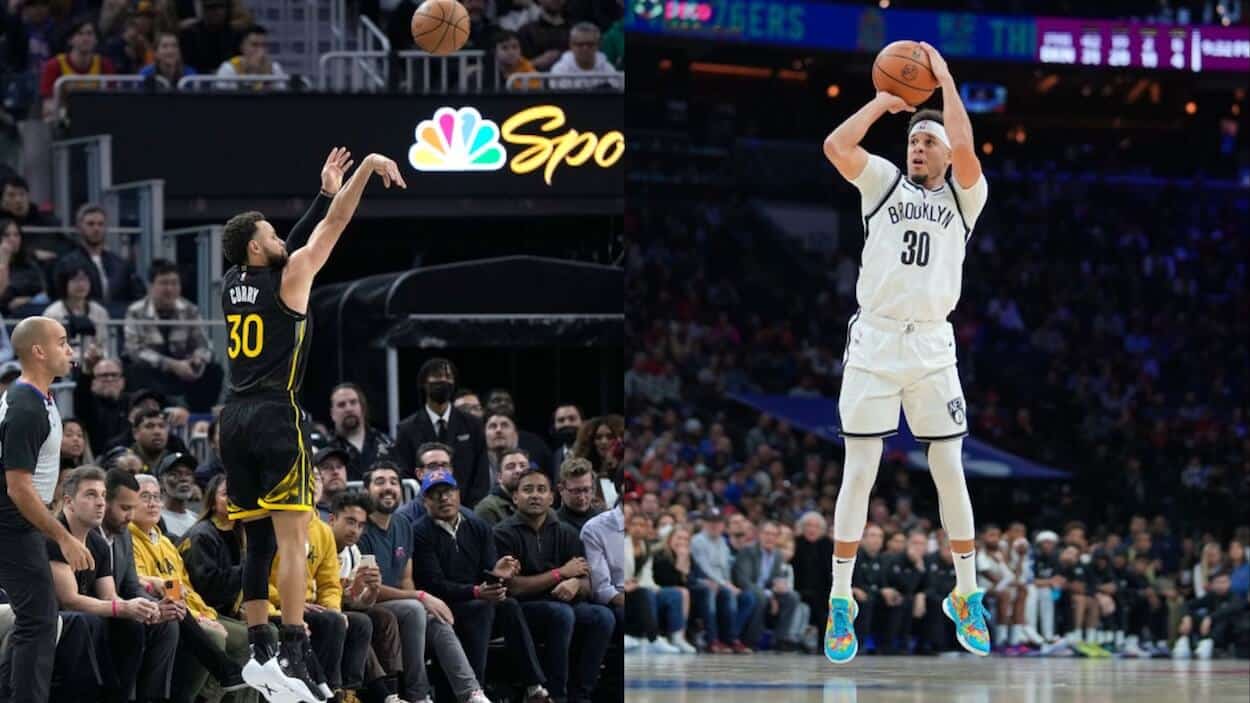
266,452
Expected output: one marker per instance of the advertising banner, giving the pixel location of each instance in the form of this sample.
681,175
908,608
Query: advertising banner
818,25
542,147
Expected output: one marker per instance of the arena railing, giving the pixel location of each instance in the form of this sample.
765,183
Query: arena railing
613,80
66,84
462,72
362,70
232,83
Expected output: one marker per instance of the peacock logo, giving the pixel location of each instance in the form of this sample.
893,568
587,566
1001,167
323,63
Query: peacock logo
457,140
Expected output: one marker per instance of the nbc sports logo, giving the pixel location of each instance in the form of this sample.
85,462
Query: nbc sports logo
457,140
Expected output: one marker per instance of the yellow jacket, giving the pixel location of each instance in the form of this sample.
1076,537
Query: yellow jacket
161,558
324,587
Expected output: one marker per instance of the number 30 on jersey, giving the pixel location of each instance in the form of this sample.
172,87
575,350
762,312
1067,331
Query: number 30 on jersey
247,335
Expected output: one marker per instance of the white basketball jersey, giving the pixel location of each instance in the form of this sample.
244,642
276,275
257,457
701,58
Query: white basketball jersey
914,239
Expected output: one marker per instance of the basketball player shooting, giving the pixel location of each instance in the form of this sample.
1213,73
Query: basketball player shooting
900,350
264,431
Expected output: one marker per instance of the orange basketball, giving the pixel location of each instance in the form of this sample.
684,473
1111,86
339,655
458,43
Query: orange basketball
440,26
902,68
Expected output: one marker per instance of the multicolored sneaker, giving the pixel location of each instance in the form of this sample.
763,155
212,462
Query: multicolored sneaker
969,617
840,642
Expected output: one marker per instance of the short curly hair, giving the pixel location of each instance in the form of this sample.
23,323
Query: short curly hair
239,231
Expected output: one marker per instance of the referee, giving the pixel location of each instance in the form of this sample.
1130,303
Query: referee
30,454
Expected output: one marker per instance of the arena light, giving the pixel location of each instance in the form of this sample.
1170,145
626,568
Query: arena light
987,148
726,69
833,91
1191,108
884,4
666,64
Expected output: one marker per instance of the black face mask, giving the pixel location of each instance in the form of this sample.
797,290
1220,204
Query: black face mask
565,435
439,391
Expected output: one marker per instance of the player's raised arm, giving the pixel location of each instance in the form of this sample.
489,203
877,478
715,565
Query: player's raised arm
337,163
842,145
965,166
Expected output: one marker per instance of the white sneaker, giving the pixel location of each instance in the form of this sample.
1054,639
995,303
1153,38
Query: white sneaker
1033,636
660,646
631,644
1131,649
274,685
1205,648
678,640
394,698
478,696
536,691
1181,649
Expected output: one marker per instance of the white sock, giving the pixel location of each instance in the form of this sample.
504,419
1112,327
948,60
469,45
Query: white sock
1088,634
965,572
1000,634
1119,638
842,571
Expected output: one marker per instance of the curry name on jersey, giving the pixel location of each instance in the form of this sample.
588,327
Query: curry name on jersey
914,239
267,342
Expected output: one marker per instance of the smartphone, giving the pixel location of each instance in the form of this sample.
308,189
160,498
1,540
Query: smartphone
369,560
173,589
491,577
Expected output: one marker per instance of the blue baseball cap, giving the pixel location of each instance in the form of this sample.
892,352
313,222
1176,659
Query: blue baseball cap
437,477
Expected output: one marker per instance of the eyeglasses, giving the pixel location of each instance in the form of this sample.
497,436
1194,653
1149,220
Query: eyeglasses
150,497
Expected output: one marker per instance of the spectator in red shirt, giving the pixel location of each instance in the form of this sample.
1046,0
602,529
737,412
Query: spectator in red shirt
81,60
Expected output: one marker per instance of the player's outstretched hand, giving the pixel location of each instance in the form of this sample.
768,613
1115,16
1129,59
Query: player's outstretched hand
894,103
940,70
337,163
386,168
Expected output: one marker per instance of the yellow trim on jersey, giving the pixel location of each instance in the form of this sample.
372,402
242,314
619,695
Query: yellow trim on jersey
299,341
295,491
234,512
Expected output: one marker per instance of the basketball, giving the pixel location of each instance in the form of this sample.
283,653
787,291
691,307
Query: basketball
902,69
440,26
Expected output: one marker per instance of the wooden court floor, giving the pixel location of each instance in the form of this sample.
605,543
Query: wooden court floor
786,678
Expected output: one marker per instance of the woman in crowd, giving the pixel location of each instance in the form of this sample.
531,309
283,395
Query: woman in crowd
652,609
672,567
212,550
75,447
21,279
84,319
1210,562
595,442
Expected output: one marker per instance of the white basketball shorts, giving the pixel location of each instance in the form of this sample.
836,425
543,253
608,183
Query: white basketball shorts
890,364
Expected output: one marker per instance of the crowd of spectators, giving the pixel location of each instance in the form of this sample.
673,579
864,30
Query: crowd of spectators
1096,336
166,40
461,530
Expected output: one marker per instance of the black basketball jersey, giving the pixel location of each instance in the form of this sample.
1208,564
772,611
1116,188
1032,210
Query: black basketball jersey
267,342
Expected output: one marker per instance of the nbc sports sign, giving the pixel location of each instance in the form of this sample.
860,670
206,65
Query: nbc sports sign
462,140
525,153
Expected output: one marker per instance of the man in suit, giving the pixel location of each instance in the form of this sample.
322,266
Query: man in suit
438,421
758,569
114,281
566,421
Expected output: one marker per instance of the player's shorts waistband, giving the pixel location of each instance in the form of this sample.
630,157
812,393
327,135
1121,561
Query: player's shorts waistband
889,324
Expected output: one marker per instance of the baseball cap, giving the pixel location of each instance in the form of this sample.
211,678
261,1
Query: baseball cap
176,459
329,452
436,478
10,370
1045,536
144,394
713,515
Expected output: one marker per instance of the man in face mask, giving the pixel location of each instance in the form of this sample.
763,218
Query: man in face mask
565,424
439,421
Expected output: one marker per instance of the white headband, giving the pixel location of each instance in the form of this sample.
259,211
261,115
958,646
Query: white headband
931,127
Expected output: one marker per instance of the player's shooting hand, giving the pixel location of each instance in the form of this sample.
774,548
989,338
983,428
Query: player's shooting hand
893,103
941,71
337,163
386,168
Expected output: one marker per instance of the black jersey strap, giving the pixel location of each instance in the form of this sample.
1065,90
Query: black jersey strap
959,209
890,191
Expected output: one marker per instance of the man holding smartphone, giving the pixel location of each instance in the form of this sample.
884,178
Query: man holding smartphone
361,578
455,559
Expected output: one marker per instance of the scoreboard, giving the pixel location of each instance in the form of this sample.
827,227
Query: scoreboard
813,24
1138,45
